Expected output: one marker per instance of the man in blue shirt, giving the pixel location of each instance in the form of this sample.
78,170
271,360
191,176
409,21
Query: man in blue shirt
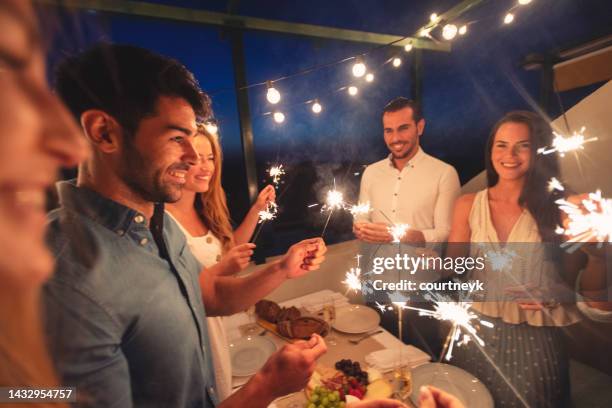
125,311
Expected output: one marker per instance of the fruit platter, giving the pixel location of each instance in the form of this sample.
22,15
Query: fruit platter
331,387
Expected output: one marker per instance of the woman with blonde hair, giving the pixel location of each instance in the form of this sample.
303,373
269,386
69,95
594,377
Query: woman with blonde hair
203,216
37,136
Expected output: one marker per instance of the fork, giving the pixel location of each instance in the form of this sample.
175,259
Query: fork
360,339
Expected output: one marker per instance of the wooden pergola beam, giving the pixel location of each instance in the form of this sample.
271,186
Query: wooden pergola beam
196,16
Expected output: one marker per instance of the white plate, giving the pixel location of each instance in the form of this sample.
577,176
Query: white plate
463,385
356,319
249,354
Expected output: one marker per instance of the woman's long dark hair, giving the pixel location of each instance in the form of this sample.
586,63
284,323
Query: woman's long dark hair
535,195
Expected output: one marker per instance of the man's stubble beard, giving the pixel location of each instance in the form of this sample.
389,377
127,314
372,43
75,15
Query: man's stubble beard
136,174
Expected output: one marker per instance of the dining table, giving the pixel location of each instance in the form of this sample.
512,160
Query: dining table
342,349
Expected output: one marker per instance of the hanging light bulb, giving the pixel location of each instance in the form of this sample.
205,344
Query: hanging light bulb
279,117
211,127
463,30
425,32
273,96
449,31
408,47
359,69
369,77
524,2
316,107
433,18
396,62
352,90
509,18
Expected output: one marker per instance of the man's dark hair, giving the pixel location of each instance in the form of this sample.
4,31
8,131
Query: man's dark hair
126,82
400,103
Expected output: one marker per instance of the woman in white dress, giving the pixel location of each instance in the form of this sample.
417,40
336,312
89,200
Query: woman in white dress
203,216
517,216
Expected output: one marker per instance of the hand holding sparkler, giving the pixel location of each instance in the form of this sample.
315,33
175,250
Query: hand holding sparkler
266,195
303,257
372,232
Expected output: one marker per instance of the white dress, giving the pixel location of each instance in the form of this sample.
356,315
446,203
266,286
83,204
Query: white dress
207,250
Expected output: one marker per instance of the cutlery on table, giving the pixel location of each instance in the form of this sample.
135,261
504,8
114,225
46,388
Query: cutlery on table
360,339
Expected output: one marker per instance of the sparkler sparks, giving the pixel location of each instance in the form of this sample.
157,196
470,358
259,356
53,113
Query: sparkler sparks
276,172
562,144
383,308
353,279
462,318
360,209
555,184
333,201
500,260
591,220
398,231
269,213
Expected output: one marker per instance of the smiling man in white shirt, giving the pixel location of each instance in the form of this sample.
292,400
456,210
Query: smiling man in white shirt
409,186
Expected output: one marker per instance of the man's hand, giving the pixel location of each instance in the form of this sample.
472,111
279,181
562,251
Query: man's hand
303,257
290,368
265,196
378,233
372,232
236,259
432,397
379,403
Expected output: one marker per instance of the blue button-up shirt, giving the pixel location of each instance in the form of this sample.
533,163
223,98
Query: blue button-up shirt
124,316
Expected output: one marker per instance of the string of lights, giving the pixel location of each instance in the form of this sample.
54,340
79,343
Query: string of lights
448,31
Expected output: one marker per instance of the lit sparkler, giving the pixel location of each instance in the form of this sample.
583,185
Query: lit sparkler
334,201
462,318
563,144
276,172
269,213
353,279
383,308
591,220
360,209
398,231
555,184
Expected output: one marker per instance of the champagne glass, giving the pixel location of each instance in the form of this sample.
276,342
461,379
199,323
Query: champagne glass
402,382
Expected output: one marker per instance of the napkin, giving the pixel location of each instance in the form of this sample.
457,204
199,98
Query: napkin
388,359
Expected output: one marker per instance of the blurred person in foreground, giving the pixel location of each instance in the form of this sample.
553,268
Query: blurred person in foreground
37,136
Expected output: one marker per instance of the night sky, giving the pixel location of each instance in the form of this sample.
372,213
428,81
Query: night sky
464,92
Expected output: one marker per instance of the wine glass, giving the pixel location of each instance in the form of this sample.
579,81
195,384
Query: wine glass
329,315
251,327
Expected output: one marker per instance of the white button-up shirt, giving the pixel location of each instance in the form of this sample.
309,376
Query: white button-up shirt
422,195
